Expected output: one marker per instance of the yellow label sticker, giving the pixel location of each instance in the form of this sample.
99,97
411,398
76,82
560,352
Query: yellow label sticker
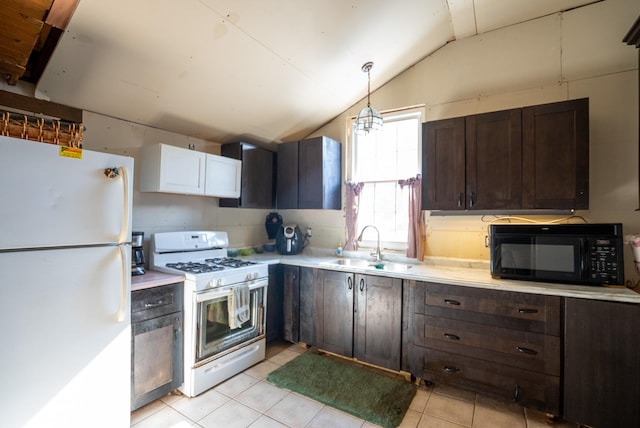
71,152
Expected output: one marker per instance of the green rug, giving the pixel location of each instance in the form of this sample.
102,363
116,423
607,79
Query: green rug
360,391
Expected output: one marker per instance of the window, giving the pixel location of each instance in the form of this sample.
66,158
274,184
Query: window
379,160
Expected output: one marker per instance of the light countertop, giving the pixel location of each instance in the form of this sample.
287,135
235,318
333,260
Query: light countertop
152,278
459,272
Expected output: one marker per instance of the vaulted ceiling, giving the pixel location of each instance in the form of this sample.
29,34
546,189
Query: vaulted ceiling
224,70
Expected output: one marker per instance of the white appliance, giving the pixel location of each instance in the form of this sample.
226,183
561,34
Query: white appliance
65,263
221,338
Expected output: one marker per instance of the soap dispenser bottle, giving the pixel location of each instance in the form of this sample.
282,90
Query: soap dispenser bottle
339,250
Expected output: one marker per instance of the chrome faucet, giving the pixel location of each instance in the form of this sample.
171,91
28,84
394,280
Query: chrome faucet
376,253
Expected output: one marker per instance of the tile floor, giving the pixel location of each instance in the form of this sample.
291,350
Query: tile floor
247,400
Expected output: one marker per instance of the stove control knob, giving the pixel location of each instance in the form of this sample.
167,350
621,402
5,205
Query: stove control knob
215,283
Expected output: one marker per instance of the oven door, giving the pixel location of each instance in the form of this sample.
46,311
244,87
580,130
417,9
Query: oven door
220,326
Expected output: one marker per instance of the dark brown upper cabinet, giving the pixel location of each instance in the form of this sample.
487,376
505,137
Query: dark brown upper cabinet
257,188
443,164
519,159
632,38
494,160
309,174
555,148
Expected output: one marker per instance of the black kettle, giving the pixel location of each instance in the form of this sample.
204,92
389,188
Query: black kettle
290,240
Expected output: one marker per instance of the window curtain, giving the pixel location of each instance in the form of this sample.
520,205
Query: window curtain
415,240
352,204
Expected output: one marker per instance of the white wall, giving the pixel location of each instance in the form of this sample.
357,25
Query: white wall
161,212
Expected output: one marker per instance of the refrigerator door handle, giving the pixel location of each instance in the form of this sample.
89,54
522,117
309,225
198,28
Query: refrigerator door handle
123,284
125,205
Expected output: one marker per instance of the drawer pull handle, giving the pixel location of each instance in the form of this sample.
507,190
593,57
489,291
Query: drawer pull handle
526,350
527,311
449,369
451,336
452,302
153,305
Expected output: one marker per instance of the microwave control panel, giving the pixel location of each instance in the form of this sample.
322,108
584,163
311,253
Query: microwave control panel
604,256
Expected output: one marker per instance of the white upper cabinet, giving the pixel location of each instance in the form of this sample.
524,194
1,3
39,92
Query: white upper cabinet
223,177
171,169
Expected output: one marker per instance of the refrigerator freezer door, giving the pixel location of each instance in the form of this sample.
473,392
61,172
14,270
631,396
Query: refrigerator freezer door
51,200
65,360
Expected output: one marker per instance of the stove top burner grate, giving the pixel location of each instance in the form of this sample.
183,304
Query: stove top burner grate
229,262
191,267
210,265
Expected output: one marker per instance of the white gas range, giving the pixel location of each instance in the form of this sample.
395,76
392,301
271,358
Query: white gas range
225,303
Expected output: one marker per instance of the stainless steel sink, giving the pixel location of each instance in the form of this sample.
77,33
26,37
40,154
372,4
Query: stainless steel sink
368,264
396,267
352,262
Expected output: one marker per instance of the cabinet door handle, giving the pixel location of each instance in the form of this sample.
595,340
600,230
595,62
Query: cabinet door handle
517,393
450,369
452,302
361,284
460,200
526,350
350,283
472,199
451,336
527,311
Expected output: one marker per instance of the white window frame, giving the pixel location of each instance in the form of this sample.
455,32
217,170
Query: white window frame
417,112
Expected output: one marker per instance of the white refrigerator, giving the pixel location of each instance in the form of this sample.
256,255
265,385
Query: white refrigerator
65,269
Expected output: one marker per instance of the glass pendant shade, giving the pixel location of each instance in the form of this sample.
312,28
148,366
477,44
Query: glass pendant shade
369,119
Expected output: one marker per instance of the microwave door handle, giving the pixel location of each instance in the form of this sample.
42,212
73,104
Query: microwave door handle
583,259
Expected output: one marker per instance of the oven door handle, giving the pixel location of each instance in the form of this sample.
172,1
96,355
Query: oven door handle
203,296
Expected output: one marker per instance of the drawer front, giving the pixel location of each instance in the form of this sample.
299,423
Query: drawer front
154,302
524,386
523,311
531,351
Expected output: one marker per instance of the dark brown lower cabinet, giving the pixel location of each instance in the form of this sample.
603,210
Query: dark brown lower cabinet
298,304
359,316
291,303
156,343
275,296
353,315
494,342
601,358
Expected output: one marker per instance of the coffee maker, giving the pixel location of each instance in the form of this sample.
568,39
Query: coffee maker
137,253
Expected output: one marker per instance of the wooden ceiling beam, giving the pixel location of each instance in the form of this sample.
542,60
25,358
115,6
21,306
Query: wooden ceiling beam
14,101
22,22
61,12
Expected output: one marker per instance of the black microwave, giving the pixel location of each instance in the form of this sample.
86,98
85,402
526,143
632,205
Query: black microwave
586,254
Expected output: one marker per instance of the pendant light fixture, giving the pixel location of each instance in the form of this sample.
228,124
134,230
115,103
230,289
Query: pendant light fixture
369,119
